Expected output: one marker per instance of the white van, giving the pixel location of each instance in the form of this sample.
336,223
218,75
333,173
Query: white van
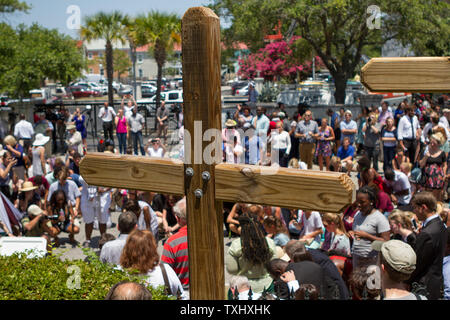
43,95
170,97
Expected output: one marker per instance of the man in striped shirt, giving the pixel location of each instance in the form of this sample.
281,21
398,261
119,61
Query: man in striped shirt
175,251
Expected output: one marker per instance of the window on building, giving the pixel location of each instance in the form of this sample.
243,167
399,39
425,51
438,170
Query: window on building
91,70
140,58
90,56
141,73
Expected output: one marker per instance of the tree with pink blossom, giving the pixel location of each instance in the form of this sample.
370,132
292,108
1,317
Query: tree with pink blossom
278,60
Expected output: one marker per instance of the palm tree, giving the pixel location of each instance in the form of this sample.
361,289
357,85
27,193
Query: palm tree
161,31
132,37
111,28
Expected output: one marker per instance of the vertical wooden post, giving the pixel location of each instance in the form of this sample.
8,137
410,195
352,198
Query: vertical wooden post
202,106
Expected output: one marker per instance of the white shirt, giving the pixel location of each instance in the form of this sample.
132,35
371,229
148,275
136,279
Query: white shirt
23,130
404,128
128,111
230,156
244,295
155,153
112,250
280,140
400,183
106,115
155,279
76,141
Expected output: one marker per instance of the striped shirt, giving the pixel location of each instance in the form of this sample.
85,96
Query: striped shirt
175,253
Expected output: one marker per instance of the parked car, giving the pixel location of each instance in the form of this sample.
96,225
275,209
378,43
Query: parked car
125,90
42,95
148,91
242,91
83,92
3,101
170,97
62,93
116,86
238,85
101,88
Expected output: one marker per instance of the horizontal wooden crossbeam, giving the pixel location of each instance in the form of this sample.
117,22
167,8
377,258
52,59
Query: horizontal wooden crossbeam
287,188
410,74
133,172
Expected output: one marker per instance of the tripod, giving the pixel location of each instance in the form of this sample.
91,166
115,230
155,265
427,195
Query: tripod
90,124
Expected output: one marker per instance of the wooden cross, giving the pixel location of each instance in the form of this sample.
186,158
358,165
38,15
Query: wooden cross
411,74
207,184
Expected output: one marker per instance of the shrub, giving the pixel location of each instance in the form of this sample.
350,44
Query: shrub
50,278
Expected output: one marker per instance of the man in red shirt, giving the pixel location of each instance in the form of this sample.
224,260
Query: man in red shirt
175,251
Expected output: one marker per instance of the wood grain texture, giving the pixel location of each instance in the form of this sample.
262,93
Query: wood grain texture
202,111
410,74
133,172
287,188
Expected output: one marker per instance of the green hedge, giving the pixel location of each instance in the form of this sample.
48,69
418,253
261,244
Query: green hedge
50,278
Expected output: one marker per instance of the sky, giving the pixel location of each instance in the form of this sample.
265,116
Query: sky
62,14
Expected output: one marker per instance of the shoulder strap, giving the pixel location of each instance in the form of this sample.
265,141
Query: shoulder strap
166,280
418,297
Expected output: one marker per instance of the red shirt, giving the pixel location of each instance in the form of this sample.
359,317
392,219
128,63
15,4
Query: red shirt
384,203
175,253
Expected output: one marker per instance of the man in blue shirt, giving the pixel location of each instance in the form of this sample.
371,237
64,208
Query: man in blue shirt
346,153
348,127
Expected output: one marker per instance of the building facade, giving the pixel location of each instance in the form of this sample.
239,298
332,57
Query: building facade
146,67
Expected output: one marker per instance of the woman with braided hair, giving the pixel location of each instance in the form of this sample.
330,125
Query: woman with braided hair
248,254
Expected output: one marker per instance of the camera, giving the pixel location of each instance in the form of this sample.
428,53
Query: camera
53,217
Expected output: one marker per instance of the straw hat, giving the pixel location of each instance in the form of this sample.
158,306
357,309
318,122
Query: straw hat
230,123
27,186
70,126
10,140
40,140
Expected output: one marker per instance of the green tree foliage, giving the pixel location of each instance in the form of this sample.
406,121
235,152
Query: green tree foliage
51,278
29,55
339,31
161,31
11,6
110,27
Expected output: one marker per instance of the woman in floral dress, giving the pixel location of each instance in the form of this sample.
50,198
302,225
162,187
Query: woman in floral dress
324,138
434,163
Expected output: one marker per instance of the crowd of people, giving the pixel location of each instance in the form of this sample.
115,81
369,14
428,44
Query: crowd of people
391,243
401,201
